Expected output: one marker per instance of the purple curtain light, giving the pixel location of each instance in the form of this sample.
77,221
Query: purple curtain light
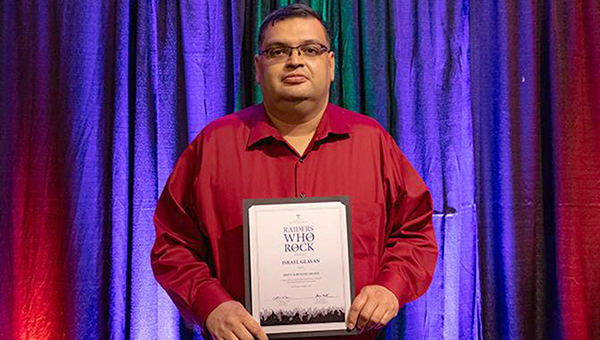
495,103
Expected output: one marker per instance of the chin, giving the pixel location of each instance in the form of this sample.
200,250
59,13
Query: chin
295,96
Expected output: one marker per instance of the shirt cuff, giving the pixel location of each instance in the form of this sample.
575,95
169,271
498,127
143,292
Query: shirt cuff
207,299
394,283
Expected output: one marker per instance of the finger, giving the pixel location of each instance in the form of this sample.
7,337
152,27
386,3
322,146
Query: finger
255,329
376,318
242,333
365,314
355,309
387,317
226,336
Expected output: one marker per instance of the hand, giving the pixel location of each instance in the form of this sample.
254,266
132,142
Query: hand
373,308
231,321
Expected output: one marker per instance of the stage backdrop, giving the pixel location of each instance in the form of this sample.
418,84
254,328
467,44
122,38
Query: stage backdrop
496,103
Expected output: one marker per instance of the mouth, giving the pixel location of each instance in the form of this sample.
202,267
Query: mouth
294,79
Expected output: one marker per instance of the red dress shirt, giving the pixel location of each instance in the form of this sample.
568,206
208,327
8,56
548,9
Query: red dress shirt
198,253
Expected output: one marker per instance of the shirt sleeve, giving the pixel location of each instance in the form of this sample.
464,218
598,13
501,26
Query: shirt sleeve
181,257
410,252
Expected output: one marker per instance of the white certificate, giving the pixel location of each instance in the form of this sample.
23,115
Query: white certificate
298,265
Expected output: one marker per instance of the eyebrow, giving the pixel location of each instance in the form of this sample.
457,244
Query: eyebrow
279,43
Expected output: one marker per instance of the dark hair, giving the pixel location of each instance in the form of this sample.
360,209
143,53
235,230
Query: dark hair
291,11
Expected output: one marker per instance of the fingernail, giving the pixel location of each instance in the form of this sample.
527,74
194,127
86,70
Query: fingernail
350,326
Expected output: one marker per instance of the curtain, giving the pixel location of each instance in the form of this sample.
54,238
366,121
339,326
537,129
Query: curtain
534,88
495,103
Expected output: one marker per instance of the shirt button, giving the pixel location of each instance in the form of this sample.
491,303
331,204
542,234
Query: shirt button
301,160
302,195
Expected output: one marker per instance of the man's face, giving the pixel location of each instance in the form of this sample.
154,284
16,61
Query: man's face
297,77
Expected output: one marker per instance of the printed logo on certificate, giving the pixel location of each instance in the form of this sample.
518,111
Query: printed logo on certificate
298,265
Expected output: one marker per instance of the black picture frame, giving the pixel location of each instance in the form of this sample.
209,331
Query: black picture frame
247,204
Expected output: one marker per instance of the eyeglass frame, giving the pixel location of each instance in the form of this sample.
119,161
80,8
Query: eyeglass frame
324,49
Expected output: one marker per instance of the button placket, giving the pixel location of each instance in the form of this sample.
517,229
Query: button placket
299,178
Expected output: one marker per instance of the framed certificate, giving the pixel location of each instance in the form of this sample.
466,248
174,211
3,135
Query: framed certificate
298,265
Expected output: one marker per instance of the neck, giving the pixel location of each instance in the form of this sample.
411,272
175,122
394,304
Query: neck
296,111
299,119
302,129
300,132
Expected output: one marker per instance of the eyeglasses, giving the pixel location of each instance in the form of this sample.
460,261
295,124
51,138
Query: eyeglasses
311,50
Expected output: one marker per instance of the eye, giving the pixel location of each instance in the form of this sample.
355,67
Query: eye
311,50
278,52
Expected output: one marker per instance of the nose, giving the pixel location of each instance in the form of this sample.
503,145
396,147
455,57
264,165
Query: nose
294,59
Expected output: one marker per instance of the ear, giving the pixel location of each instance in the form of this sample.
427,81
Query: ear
257,72
332,65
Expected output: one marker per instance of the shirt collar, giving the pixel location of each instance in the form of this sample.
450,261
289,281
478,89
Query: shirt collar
333,122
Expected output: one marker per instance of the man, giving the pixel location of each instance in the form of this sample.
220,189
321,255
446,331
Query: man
294,144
